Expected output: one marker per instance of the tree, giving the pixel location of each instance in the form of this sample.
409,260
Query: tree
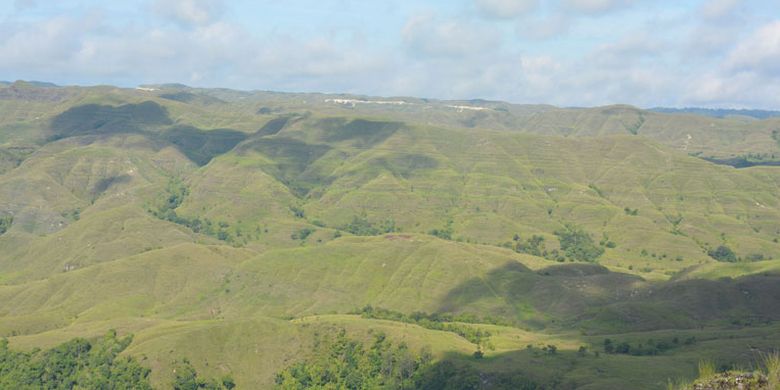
578,245
185,376
302,234
723,253
532,246
343,363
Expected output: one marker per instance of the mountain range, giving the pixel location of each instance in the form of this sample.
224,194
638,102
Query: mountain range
235,228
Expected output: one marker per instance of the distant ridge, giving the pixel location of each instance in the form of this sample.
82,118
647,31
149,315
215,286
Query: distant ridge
28,83
718,112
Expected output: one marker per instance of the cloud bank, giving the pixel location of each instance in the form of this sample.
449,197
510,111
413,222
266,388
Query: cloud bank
565,52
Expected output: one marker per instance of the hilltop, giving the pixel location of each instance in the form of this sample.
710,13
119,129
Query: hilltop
235,228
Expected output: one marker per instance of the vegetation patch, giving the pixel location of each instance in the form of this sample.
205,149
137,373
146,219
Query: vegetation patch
444,233
5,223
443,322
534,245
302,234
186,378
577,245
723,253
175,193
344,363
361,226
76,364
648,348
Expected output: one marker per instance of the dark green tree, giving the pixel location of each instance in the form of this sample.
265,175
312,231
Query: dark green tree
723,253
578,245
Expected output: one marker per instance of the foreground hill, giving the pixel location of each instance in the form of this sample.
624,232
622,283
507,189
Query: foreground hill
234,228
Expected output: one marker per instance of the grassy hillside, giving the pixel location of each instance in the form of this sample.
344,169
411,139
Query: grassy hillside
233,228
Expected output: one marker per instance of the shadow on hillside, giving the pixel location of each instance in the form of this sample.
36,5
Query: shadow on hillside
744,301
537,366
274,126
456,371
93,119
406,165
363,133
191,98
292,161
148,119
201,146
592,298
104,184
561,291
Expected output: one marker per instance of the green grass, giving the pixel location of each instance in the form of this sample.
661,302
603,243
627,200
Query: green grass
84,255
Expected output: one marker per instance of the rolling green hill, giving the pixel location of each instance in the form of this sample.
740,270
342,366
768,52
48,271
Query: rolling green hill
235,228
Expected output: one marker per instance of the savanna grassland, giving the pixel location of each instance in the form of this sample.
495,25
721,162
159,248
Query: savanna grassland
249,237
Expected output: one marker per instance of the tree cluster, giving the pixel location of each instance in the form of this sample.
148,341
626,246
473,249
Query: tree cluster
443,322
186,378
723,253
649,348
77,363
361,226
577,245
343,363
175,194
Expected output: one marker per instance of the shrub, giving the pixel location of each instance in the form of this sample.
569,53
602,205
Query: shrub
302,234
723,253
361,226
532,246
5,223
578,245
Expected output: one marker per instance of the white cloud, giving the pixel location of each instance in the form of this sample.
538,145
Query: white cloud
427,36
630,49
506,9
758,53
719,9
545,27
596,6
190,12
25,4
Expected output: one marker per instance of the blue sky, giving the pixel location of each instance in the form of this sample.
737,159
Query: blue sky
712,53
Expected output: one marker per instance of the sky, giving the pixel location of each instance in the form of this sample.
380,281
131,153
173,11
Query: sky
674,53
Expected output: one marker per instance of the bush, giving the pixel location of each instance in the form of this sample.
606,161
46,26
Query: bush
578,245
5,223
723,253
445,234
361,226
302,234
532,246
